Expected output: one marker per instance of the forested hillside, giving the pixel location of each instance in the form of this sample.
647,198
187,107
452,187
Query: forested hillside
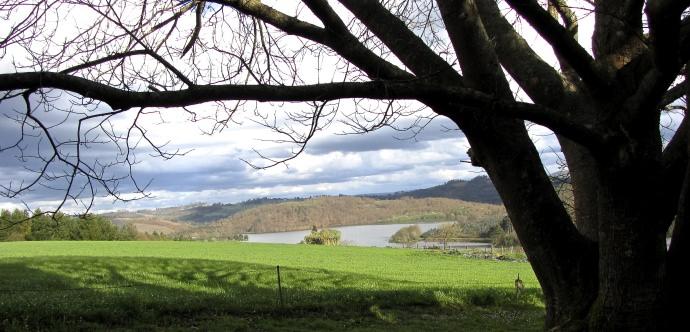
439,203
330,211
179,219
480,189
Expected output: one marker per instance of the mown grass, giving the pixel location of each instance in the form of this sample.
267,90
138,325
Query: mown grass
233,286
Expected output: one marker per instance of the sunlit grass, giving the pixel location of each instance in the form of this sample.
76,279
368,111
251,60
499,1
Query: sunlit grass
172,283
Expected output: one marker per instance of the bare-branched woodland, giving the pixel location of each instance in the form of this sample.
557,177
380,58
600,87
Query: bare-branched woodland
88,63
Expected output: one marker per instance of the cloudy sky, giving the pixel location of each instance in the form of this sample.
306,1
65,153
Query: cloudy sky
214,167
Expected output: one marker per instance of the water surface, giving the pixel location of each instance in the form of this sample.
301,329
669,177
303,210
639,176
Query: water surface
363,235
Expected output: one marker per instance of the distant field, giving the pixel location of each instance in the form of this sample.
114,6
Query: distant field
233,286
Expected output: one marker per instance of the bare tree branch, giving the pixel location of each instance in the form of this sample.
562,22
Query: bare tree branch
563,44
541,82
471,43
286,23
197,27
327,15
664,28
339,40
673,94
407,46
462,97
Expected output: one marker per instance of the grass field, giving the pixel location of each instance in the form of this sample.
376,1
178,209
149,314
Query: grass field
233,286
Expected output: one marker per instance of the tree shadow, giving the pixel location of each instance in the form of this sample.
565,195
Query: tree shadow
125,292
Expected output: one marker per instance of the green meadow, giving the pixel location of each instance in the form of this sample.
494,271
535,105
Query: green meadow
228,286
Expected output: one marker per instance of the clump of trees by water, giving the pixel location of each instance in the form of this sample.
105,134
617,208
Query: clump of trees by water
407,235
21,225
328,237
498,231
502,235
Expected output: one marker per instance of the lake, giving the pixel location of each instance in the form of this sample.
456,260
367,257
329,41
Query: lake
363,235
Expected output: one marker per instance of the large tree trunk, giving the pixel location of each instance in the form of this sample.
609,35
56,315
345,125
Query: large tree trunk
609,280
631,253
566,269
676,285
584,186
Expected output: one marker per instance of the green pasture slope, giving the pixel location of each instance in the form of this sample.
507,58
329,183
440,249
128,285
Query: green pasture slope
229,286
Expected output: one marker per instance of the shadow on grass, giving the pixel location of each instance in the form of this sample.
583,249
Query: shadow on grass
152,293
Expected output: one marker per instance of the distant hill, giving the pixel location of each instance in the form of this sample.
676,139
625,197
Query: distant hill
210,213
276,214
331,211
180,218
480,189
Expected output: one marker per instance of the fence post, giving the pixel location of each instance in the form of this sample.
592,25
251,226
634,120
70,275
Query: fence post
280,288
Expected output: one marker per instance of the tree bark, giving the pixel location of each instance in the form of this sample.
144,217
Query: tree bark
631,251
566,269
676,286
581,166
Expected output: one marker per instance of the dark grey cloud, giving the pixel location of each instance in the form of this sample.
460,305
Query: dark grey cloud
228,173
22,164
387,138
365,142
61,124
248,178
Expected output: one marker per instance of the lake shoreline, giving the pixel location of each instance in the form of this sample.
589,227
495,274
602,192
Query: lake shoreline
375,235
341,226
